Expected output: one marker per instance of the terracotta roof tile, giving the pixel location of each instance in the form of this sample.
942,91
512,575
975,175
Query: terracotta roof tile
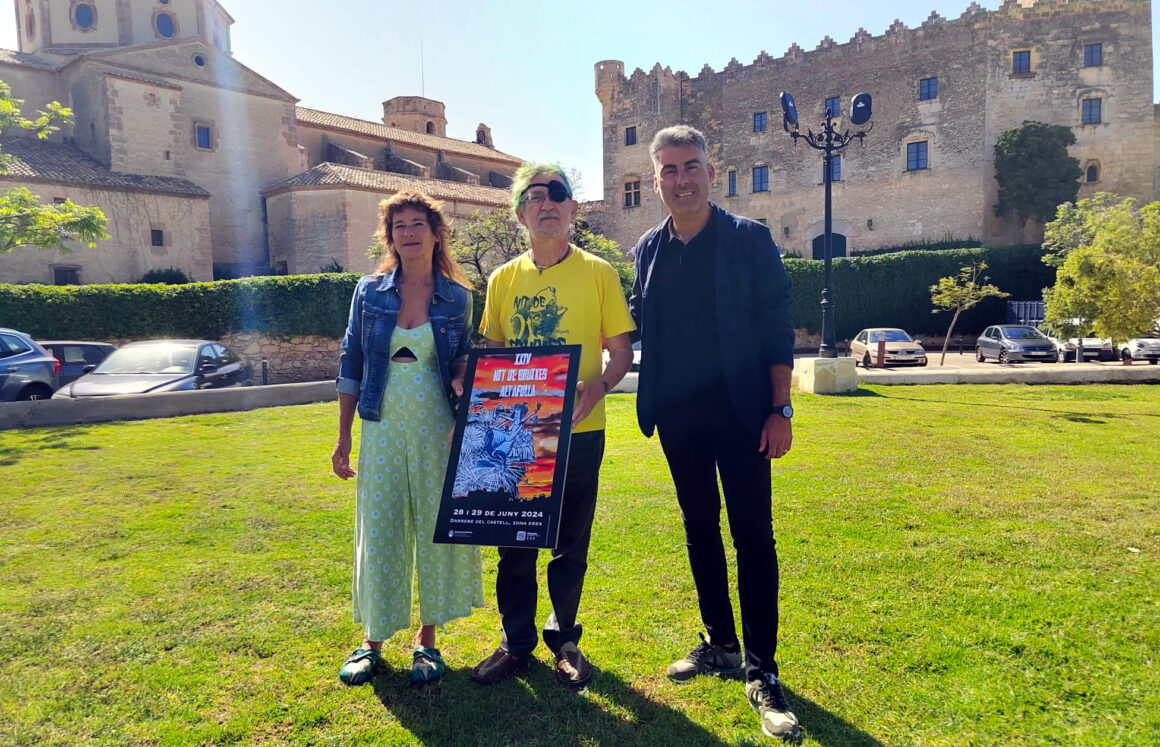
22,58
374,129
337,175
43,160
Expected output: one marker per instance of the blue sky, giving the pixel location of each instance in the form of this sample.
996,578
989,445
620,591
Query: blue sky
523,68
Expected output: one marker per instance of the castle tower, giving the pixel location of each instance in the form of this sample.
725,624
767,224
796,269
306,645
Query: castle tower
72,27
416,114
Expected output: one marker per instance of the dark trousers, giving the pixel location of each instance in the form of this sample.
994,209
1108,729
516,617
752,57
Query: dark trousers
515,581
697,445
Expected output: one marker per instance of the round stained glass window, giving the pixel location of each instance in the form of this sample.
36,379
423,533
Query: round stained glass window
165,26
85,16
199,60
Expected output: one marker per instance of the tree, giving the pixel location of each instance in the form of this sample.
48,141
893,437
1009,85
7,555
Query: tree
960,292
485,241
597,243
24,220
1108,255
1034,171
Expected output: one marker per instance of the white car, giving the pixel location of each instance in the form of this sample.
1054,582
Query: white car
1099,348
635,356
1141,348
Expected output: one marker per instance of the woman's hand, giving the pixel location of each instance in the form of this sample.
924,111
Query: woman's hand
457,386
340,459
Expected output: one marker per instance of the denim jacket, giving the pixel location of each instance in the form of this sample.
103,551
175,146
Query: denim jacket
753,315
374,311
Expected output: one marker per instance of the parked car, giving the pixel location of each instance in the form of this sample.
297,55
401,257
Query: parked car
635,356
1014,342
76,357
1097,348
27,371
900,347
162,366
1141,348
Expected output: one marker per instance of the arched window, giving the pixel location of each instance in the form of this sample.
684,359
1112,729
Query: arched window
30,24
85,16
1093,173
165,25
430,128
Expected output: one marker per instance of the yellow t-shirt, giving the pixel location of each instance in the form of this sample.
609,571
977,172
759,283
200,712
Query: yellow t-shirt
577,302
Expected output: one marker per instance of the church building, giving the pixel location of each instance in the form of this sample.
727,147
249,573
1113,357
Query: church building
203,165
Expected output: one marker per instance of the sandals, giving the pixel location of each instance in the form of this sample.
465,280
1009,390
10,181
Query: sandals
360,667
426,665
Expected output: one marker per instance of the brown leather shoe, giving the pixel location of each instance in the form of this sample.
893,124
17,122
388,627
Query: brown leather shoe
499,666
572,668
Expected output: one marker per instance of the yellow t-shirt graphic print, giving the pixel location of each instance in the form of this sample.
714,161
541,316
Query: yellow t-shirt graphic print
577,302
538,320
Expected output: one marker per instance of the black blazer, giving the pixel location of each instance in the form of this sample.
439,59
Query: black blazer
752,311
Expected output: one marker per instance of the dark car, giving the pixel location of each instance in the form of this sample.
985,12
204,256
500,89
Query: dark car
76,357
162,366
27,371
1014,342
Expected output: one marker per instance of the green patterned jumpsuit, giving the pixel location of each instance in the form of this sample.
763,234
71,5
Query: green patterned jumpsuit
401,465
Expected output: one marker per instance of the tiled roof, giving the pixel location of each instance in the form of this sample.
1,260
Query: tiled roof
21,58
337,175
159,82
41,160
374,129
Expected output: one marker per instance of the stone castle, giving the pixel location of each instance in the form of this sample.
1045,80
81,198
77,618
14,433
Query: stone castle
202,164
942,94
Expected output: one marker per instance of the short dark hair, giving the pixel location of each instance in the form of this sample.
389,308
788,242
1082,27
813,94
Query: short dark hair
677,136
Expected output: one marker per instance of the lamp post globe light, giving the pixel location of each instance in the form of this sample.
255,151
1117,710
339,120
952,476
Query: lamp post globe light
828,140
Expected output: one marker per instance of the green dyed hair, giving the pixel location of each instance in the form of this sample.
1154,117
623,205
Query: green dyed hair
524,176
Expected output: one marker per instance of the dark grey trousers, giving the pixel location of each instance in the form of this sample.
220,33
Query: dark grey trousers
515,582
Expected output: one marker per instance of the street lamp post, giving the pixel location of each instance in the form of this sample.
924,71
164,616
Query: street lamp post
828,140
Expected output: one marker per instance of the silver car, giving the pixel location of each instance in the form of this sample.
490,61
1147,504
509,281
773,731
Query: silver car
1141,348
1014,342
898,347
27,371
162,366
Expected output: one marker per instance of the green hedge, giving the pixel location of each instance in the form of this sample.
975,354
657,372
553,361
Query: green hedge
893,290
890,290
281,306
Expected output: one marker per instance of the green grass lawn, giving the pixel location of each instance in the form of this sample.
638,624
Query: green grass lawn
960,565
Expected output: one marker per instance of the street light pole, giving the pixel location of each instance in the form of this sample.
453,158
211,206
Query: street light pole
828,140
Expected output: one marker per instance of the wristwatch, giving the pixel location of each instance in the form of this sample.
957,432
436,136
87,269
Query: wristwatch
786,411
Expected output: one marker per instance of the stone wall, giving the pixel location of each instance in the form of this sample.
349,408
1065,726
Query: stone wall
128,253
289,360
878,202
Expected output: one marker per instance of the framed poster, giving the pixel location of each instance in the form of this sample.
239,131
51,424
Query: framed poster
509,454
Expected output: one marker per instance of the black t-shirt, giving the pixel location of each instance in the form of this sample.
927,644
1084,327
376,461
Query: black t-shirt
686,349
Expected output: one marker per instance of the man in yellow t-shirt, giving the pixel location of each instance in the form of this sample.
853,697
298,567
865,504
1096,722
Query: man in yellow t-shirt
556,294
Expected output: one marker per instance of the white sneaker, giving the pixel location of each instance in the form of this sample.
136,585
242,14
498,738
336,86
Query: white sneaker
767,698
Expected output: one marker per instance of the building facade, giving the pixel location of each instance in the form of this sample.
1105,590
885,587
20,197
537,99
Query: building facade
202,164
942,93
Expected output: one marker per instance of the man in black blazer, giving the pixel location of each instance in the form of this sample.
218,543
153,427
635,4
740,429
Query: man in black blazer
712,302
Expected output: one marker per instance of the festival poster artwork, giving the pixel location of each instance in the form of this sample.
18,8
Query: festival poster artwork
509,455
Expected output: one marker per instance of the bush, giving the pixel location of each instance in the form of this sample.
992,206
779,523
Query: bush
886,290
169,276
947,242
279,306
893,290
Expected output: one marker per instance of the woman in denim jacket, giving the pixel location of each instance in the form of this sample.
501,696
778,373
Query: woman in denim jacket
403,360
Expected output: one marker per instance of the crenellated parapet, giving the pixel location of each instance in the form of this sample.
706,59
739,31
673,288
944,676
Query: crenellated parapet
610,73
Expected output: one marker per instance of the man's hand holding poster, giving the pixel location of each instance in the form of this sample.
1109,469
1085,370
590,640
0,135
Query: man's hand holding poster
509,455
